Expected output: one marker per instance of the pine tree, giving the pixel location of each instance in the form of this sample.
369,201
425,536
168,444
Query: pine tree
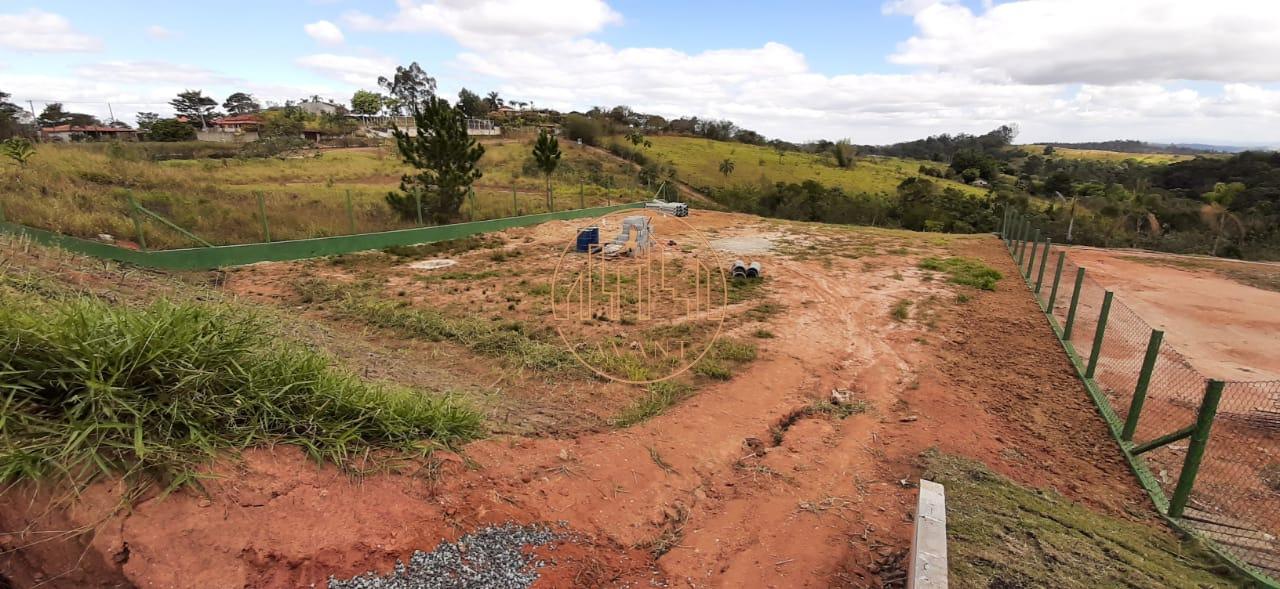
546,152
445,157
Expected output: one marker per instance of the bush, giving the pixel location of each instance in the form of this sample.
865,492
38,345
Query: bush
92,389
584,128
171,130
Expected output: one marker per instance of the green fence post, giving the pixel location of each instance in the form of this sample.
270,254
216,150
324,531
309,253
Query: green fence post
1071,310
1140,390
1004,223
1099,334
417,200
351,213
1057,276
1044,261
137,222
1031,259
262,214
1017,236
582,195
1195,450
1023,242
515,204
2,217
471,196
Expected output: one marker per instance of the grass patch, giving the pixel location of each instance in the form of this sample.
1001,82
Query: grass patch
712,368
763,311
744,289
1003,535
90,389
838,411
719,361
510,340
660,396
762,334
901,310
966,271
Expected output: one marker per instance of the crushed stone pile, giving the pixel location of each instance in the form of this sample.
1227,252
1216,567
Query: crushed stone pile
492,557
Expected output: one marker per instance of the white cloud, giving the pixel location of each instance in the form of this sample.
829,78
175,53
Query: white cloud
1097,41
159,32
485,22
39,31
772,90
354,70
325,32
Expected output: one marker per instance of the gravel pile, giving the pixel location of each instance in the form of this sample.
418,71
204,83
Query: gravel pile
491,557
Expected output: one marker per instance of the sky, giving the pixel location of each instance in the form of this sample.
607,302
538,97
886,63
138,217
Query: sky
873,71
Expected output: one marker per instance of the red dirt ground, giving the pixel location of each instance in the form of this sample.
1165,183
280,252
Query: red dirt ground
1226,329
827,506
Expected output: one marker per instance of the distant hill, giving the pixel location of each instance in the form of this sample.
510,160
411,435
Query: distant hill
1134,146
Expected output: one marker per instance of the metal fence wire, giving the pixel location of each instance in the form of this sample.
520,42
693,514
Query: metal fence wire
1213,461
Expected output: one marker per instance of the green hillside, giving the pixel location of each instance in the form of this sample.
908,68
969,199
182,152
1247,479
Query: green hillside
697,161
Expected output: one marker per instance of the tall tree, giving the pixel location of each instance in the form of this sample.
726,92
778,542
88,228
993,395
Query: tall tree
445,158
197,107
726,167
410,88
471,104
146,120
241,104
53,115
1217,213
366,103
546,153
493,101
9,125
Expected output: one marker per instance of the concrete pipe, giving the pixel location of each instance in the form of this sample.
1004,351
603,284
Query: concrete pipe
739,269
753,271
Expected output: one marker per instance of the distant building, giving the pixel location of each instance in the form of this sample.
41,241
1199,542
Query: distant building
318,107
69,133
233,129
232,124
482,127
980,183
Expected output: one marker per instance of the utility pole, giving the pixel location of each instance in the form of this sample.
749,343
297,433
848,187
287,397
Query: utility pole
111,112
32,105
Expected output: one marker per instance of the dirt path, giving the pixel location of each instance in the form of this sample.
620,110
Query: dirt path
734,487
1225,329
691,196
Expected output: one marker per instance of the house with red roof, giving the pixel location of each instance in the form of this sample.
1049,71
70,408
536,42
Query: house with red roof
70,133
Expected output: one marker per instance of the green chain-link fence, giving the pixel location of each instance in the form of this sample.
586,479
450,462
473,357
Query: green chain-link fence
1206,450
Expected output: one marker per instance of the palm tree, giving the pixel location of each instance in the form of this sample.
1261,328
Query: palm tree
546,152
1216,211
726,167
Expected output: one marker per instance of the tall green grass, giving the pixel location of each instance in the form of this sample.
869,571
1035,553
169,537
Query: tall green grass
89,389
81,189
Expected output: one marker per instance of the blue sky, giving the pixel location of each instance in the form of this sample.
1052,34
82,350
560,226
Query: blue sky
873,71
